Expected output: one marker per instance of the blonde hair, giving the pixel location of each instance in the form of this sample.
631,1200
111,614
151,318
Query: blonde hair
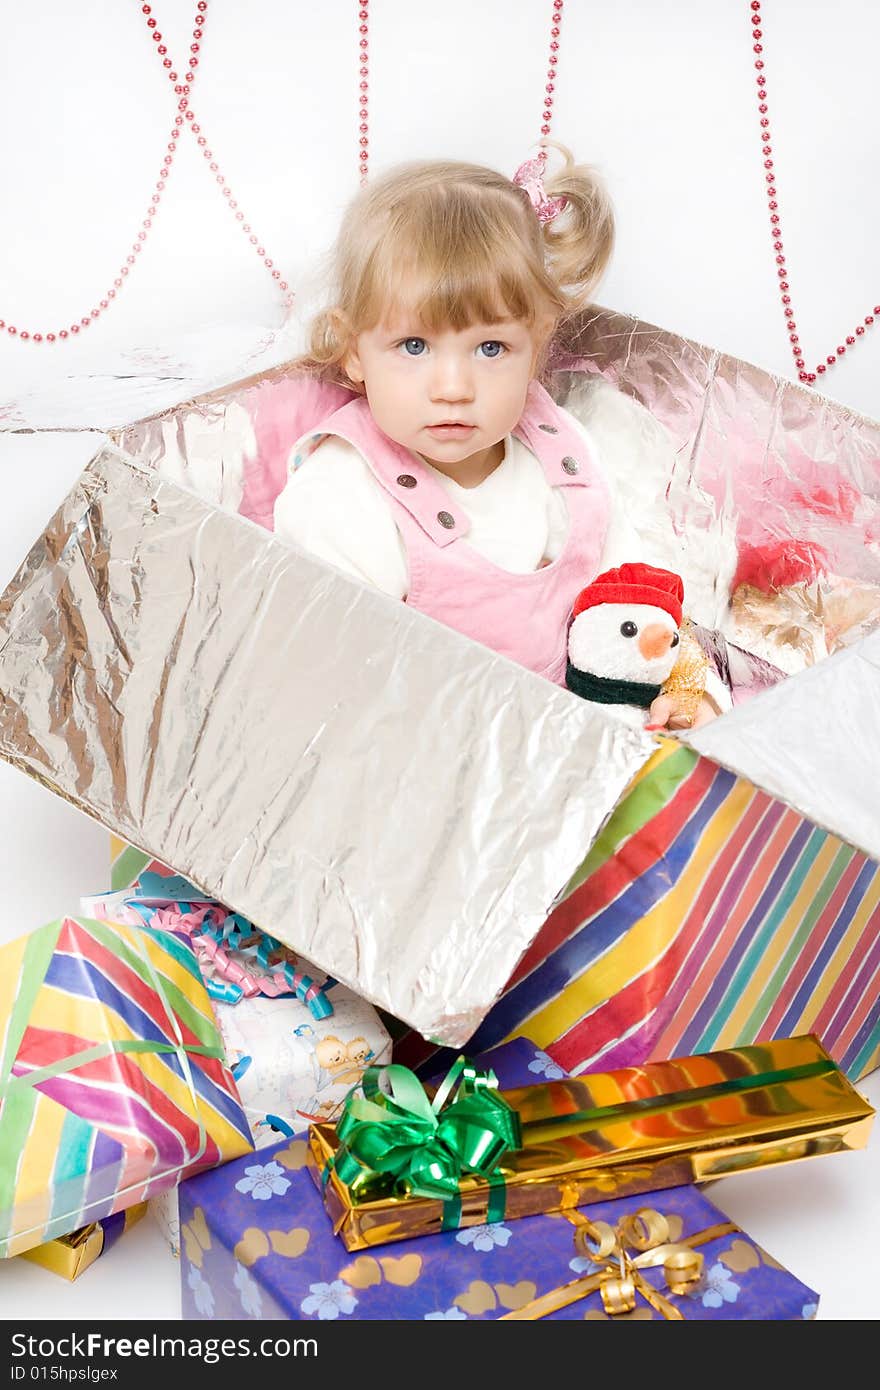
459,243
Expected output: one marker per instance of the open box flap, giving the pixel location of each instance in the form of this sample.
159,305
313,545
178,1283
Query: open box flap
813,742
394,801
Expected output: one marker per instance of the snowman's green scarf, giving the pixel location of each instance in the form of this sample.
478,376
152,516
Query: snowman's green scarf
605,690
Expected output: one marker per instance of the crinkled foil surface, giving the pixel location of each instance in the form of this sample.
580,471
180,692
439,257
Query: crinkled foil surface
391,800
813,741
774,489
775,492
386,796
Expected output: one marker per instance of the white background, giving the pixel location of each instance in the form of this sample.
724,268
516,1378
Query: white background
661,98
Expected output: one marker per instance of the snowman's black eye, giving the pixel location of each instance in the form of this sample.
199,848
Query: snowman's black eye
674,642
628,629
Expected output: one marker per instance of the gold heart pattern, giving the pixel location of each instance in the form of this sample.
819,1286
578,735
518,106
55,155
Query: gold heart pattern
294,1157
196,1237
515,1295
252,1246
403,1271
290,1243
363,1273
740,1257
478,1297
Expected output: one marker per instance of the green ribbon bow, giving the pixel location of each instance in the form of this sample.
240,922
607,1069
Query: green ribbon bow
421,1147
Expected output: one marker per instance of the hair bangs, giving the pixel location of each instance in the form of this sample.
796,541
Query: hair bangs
447,244
453,266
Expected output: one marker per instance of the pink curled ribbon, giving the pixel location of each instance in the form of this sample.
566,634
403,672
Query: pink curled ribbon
530,176
237,959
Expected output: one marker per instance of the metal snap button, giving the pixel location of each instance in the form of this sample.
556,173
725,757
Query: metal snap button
548,429
406,480
446,519
570,465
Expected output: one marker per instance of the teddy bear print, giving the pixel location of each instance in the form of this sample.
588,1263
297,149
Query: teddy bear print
339,1066
340,1063
331,1060
359,1054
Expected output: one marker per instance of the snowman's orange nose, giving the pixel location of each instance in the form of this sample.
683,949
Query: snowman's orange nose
655,641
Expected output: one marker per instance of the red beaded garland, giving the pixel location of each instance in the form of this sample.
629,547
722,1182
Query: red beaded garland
184,113
364,85
363,90
550,88
807,377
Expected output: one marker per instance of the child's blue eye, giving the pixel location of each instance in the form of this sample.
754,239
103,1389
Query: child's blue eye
414,347
491,348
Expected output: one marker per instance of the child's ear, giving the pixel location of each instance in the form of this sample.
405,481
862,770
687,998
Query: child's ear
351,362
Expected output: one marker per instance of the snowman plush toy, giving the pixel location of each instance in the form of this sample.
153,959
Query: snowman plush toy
626,643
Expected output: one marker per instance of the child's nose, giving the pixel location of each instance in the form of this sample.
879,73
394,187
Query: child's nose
654,641
452,380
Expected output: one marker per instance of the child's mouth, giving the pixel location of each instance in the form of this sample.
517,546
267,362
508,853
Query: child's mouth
451,429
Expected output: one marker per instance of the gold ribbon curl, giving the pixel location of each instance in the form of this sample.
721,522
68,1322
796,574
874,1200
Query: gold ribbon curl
640,1240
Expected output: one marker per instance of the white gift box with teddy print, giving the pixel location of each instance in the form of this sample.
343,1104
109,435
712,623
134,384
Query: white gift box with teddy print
300,1068
290,1068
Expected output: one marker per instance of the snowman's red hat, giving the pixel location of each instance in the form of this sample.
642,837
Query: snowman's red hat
634,584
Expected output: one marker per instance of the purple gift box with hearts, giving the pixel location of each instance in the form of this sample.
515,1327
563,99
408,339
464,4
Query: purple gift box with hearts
256,1242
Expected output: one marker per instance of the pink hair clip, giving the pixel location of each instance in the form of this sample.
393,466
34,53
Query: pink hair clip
530,176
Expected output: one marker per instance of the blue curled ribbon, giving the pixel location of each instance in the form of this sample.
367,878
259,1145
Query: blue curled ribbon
236,933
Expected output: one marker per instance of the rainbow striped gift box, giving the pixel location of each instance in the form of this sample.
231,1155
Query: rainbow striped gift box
114,1083
706,915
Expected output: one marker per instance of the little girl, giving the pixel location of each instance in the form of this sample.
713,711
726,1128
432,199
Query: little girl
452,481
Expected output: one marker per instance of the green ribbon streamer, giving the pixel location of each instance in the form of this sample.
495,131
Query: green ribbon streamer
421,1147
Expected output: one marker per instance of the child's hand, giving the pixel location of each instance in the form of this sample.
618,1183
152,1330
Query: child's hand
669,713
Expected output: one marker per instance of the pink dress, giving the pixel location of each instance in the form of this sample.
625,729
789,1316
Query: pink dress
520,616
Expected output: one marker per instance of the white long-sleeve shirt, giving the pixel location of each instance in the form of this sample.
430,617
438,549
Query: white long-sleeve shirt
333,506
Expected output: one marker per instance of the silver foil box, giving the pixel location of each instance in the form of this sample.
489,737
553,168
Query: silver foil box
387,797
